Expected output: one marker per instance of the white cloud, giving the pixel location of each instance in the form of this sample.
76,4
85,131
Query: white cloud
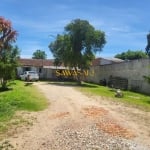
120,29
39,26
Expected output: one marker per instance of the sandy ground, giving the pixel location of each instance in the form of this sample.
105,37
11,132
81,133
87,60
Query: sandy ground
72,109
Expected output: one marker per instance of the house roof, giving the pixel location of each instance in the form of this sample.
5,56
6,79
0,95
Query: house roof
36,62
50,62
113,59
97,61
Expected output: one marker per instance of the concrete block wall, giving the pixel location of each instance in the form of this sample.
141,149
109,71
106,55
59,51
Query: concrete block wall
132,70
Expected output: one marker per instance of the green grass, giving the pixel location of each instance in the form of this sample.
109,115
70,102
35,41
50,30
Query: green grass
131,98
22,96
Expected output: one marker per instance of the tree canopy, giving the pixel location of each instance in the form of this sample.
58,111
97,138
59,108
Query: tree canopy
78,45
7,34
131,55
148,45
8,52
39,54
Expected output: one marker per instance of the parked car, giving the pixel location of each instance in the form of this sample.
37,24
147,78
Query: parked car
29,76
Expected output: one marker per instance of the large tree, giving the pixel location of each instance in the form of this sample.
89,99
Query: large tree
148,45
78,45
8,52
131,55
39,54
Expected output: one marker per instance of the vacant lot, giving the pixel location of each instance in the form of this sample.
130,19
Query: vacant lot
78,121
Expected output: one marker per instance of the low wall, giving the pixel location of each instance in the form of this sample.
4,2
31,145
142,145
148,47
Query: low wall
131,70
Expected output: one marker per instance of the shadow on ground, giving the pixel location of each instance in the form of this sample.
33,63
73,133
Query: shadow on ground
73,84
28,83
6,89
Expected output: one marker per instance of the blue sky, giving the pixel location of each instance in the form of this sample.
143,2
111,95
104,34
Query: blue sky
125,22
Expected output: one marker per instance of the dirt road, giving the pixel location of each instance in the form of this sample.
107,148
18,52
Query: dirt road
80,122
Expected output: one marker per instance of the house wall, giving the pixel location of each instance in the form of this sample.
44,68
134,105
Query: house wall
47,73
132,70
20,70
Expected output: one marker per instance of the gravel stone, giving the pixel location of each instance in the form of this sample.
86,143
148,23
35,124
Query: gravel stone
89,138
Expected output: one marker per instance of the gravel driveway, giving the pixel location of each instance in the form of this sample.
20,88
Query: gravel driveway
74,121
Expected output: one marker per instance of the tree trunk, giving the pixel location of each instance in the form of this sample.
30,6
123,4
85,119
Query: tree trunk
4,84
78,77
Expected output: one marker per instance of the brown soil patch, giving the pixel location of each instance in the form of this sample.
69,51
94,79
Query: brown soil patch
115,129
106,124
94,111
59,115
